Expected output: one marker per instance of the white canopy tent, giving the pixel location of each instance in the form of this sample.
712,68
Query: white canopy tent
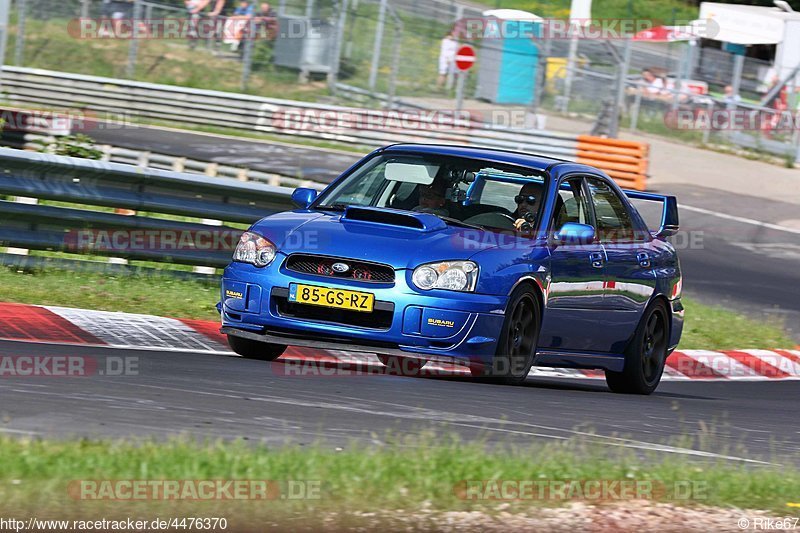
748,25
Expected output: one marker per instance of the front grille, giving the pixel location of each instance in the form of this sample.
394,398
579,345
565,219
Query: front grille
377,319
320,265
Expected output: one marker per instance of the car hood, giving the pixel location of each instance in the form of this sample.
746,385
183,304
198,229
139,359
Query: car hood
337,234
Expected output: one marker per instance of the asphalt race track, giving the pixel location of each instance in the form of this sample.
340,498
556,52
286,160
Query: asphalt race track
752,269
206,395
292,159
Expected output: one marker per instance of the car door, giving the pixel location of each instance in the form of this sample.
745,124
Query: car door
574,314
630,278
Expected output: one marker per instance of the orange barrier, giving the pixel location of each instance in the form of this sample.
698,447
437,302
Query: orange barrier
625,161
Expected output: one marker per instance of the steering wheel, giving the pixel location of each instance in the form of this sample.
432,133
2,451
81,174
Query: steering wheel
494,219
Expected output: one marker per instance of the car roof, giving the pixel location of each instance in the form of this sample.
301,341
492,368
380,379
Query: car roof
537,162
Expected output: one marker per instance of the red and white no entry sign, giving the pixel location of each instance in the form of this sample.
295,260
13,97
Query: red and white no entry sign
465,57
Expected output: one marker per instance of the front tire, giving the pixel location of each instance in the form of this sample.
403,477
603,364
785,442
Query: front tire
645,357
250,349
519,337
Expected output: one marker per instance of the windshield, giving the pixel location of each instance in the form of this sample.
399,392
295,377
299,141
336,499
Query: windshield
458,190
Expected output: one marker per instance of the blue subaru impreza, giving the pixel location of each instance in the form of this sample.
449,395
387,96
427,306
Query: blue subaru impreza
494,259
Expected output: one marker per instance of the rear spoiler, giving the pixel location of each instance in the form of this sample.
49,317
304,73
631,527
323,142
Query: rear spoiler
669,212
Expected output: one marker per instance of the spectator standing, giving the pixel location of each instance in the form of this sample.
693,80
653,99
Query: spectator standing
654,86
729,98
447,57
266,11
237,23
266,18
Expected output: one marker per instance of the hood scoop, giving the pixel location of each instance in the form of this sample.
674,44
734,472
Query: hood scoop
423,222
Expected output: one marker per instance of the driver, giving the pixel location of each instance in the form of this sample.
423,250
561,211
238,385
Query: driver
431,199
528,200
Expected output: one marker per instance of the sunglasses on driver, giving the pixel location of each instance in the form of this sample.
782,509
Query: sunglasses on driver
528,198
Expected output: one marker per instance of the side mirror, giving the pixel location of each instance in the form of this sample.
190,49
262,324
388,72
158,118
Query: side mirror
303,197
574,233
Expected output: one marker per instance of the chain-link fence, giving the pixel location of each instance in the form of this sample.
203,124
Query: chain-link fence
689,96
285,49
389,50
164,42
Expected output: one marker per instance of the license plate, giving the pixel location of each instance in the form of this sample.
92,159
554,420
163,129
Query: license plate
336,298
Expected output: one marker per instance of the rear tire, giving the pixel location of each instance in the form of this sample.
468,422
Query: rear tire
250,349
519,337
645,356
401,366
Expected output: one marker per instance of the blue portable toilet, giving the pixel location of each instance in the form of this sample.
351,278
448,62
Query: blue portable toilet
509,56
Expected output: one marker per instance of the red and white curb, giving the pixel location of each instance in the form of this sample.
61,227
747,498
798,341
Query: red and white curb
64,325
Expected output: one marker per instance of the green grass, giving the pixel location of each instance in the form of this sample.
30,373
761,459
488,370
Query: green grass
401,474
707,328
161,295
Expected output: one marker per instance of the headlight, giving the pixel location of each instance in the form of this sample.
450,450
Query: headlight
254,249
449,275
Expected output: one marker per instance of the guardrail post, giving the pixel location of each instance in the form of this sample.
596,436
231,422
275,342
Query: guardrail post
207,269
106,149
21,200
121,260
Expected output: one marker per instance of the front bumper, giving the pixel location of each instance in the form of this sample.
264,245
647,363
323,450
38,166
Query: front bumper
433,325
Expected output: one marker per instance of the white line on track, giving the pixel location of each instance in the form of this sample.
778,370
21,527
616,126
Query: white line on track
458,419
629,443
18,431
743,220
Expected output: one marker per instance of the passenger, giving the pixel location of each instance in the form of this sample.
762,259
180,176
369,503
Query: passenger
431,199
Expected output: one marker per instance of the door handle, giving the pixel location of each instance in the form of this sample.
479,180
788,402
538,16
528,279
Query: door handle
597,259
644,259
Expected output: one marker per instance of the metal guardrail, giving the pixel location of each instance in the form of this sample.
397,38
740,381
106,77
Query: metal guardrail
364,127
150,159
113,185
240,111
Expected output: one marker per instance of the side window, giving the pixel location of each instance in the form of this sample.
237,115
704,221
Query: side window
614,222
571,204
499,194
